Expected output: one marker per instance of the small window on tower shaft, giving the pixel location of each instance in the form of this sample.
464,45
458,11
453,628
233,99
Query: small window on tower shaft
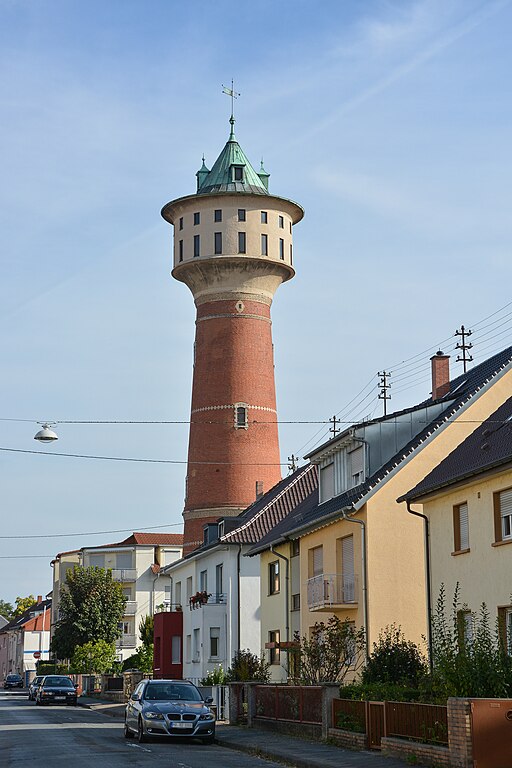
181,222
264,217
241,416
281,222
197,247
281,248
217,215
181,250
197,218
241,214
241,242
218,242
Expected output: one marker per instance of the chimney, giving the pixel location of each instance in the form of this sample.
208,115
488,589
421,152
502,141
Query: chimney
259,489
39,599
440,375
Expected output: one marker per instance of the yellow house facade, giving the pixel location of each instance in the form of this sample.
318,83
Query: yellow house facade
467,500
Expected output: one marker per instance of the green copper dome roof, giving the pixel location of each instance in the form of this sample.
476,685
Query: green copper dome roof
232,172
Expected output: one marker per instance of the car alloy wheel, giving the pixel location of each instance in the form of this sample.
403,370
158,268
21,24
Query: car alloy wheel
141,736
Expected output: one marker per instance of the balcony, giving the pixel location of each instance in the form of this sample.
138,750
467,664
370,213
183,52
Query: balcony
124,574
330,591
201,599
126,641
130,609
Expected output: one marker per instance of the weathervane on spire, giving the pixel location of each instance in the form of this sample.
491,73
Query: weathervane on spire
234,95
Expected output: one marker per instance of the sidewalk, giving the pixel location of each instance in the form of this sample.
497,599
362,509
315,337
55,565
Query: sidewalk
300,753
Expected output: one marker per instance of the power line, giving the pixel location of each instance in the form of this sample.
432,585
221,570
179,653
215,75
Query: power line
90,533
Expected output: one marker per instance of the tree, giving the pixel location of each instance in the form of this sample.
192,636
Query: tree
330,652
6,610
246,666
96,656
23,604
142,659
395,660
91,609
146,630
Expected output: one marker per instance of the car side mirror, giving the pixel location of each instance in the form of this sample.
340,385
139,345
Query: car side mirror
134,697
76,686
208,700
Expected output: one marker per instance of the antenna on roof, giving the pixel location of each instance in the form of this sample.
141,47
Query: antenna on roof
234,95
384,386
464,359
292,465
334,429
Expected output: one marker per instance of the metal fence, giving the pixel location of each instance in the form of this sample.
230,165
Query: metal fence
296,704
427,723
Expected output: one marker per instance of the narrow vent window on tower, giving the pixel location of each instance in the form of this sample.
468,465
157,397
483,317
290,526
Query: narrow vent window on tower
217,215
281,248
241,214
181,222
197,245
291,253
281,222
218,242
264,217
181,250
264,245
197,218
238,172
241,421
241,242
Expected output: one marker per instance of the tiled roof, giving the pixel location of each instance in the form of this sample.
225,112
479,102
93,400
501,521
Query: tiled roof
36,624
20,621
144,539
462,389
293,520
265,513
489,446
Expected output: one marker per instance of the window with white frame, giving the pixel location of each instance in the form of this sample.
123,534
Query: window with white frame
219,579
177,593
196,646
176,649
356,460
189,587
273,578
460,527
214,642
273,640
503,515
188,648
167,594
315,561
203,581
241,418
327,482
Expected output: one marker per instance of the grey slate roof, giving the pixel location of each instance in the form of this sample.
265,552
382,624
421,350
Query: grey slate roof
462,389
489,446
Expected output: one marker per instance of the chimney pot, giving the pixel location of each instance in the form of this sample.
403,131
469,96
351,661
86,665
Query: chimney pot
39,598
440,374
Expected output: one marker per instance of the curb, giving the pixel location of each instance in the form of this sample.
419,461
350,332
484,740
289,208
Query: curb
295,762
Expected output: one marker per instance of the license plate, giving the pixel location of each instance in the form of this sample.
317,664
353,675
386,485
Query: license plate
60,698
180,725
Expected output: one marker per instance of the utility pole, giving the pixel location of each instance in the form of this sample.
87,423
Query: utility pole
292,466
334,429
384,385
464,358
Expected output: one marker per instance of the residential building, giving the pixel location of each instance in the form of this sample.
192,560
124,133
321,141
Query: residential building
361,555
25,640
232,248
136,563
467,503
218,588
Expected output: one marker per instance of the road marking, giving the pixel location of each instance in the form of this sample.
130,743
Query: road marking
138,746
54,726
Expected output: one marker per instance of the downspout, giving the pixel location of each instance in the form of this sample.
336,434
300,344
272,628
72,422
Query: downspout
351,519
427,567
238,620
286,591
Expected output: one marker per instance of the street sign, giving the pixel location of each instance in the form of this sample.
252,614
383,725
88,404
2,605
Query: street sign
37,654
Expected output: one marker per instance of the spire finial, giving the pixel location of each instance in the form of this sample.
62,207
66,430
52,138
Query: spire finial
234,95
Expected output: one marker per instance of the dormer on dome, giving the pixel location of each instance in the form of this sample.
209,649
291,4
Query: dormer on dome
264,176
201,175
232,172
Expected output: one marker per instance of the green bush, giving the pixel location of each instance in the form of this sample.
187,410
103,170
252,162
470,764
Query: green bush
142,659
246,667
395,660
216,676
380,692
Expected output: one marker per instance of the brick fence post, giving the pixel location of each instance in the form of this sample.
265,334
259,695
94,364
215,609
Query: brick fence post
459,733
330,691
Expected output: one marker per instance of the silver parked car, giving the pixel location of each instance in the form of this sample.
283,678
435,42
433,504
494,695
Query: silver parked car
173,708
34,685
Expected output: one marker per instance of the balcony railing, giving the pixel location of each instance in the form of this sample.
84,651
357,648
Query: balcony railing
124,574
200,599
330,590
126,641
130,608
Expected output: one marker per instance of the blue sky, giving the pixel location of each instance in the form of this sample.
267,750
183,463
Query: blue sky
388,121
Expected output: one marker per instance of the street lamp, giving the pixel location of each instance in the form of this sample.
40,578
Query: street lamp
46,434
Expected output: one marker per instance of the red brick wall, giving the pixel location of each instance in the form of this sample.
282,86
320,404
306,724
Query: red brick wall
233,364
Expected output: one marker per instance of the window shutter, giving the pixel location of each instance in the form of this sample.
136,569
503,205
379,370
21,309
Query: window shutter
318,561
505,512
497,517
347,568
327,482
456,529
357,461
464,526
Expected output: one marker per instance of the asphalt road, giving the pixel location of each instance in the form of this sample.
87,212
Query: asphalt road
59,736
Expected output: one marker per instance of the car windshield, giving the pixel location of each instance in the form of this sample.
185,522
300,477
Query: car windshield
52,682
171,692
13,677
